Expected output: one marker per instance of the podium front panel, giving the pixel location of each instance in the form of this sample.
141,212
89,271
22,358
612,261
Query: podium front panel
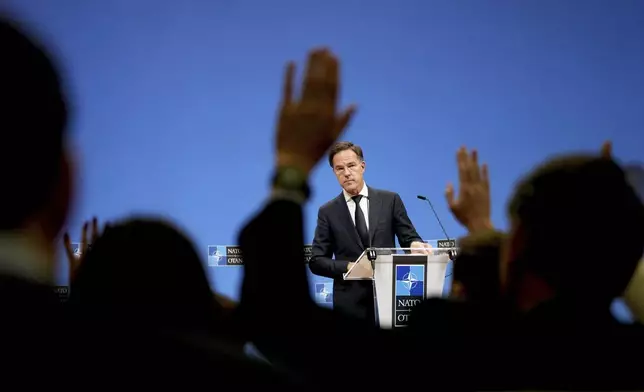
402,281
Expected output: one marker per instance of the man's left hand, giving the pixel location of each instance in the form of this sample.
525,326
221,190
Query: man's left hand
418,247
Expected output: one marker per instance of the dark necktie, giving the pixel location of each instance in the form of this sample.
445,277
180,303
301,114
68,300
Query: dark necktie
361,222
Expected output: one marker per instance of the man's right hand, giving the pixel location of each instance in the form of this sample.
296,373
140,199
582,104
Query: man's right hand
361,270
308,126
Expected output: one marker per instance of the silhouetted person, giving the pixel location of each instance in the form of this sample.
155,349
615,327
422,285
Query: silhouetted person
475,276
148,273
635,174
634,295
142,290
577,236
37,185
476,306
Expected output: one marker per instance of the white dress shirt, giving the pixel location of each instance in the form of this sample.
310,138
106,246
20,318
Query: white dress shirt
364,204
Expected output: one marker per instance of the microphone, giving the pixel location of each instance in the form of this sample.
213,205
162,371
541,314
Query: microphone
424,198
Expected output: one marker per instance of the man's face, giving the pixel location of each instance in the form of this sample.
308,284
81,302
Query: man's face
348,169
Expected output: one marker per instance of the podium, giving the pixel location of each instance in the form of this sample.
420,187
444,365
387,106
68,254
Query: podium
401,280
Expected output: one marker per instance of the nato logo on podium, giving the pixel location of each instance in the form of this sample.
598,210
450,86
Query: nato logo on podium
409,291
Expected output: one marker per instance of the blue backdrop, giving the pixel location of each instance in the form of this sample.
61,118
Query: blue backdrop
175,101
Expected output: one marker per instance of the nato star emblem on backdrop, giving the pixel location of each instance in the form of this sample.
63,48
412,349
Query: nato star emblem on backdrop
409,290
216,256
231,255
324,293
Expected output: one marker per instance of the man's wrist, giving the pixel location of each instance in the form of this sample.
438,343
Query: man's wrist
283,194
294,161
482,225
291,183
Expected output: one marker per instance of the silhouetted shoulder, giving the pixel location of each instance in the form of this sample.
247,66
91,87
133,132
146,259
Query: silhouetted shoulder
453,318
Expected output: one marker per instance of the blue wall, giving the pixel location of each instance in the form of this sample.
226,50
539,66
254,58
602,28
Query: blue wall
175,101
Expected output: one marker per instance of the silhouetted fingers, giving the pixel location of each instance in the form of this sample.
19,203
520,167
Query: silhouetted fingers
332,77
94,234
69,251
473,169
474,156
449,195
289,81
607,149
321,80
343,120
485,178
84,243
461,162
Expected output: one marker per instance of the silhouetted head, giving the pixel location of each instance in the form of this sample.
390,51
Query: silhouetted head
476,275
347,161
145,272
34,163
577,231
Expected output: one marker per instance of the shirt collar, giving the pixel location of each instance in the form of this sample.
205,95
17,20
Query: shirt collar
363,192
22,255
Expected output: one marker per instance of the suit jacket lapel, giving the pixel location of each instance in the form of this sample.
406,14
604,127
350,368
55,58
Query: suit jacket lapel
345,215
375,205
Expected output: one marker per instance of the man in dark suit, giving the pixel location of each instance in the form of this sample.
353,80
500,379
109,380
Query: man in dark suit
344,231
361,355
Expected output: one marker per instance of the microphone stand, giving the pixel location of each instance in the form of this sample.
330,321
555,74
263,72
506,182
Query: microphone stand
451,254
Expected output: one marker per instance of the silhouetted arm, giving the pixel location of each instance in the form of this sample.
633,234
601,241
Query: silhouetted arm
279,315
